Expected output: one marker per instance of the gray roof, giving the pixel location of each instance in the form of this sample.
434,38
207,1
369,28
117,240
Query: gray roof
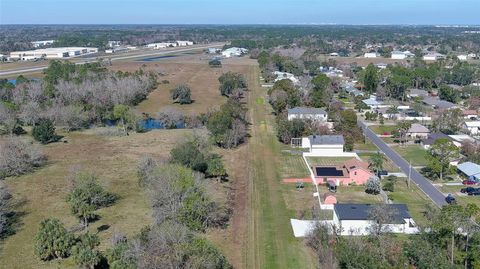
469,169
433,137
435,101
306,110
362,212
371,102
418,92
326,140
418,128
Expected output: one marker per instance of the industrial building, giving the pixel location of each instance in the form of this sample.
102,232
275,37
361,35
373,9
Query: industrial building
52,53
38,44
162,45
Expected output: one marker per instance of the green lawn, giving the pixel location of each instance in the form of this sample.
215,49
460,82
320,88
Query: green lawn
292,165
314,161
413,153
368,145
351,194
415,199
381,129
387,165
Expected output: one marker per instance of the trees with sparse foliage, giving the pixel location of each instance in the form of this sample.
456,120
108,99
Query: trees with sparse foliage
373,186
18,157
5,210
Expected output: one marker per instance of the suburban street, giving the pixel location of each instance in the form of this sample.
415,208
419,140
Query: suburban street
423,183
112,58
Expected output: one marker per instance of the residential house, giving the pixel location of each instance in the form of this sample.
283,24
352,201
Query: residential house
356,219
414,93
284,75
437,103
470,114
470,170
311,113
462,57
334,54
473,127
352,171
418,131
431,138
373,103
324,145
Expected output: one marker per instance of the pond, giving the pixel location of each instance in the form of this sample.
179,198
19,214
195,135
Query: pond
149,124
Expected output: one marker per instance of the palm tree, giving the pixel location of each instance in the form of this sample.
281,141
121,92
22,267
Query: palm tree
376,162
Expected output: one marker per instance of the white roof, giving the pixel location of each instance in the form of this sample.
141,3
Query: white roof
472,123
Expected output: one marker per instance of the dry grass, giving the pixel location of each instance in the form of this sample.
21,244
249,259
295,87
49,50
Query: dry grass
43,192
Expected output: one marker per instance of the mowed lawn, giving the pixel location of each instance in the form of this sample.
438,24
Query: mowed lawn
114,160
414,154
382,129
293,166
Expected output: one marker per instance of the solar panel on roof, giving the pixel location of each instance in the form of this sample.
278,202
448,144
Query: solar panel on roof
328,171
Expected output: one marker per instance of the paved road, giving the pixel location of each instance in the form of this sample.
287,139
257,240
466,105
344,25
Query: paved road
424,184
112,58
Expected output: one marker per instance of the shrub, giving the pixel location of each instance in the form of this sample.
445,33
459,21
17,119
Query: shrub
181,94
53,240
44,131
18,157
84,253
215,63
373,186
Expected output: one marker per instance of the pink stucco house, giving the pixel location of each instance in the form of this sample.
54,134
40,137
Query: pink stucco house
351,171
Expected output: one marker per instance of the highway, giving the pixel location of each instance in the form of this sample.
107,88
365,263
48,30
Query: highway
423,183
112,58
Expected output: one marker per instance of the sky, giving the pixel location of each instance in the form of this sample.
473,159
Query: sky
240,12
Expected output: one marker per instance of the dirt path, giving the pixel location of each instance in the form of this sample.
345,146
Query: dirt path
270,238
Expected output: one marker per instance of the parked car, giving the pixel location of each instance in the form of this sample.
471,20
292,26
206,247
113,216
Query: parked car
469,182
469,189
450,199
474,193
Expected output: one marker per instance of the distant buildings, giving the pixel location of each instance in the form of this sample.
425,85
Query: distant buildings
433,56
52,53
401,55
234,52
316,114
162,45
371,55
38,44
114,43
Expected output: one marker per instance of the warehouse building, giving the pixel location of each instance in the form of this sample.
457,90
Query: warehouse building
52,53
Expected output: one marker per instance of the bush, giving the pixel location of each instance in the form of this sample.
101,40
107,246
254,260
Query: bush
231,81
182,95
373,186
18,157
84,253
44,131
53,240
5,210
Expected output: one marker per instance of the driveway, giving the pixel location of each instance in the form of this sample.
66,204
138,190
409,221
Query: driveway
423,183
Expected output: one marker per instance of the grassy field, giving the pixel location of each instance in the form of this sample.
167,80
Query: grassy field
351,194
381,129
415,199
413,153
293,166
388,164
368,145
271,241
43,192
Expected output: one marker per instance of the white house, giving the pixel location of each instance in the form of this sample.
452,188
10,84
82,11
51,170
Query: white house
462,57
371,55
356,219
234,51
284,75
333,54
311,113
182,43
373,103
114,43
473,127
324,145
401,55
433,56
